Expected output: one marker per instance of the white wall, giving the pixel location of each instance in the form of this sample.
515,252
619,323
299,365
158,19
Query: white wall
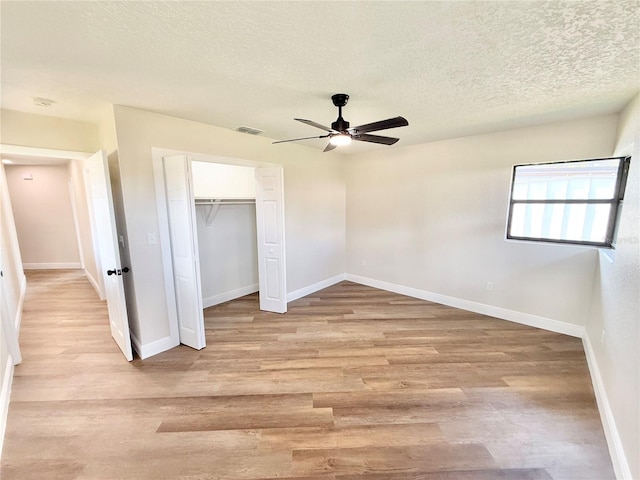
615,309
228,251
81,206
314,203
227,236
43,215
216,180
432,217
27,129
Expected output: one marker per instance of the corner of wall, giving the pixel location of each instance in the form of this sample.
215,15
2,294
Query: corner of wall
5,395
107,130
153,348
613,311
614,442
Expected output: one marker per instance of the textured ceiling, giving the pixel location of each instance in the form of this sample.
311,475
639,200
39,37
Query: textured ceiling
451,68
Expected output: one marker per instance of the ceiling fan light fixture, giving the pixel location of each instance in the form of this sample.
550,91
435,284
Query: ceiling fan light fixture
340,133
340,139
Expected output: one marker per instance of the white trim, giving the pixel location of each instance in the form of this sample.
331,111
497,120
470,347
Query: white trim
163,221
230,295
43,152
5,396
18,320
93,283
97,262
308,290
498,312
614,442
153,348
76,220
52,266
211,158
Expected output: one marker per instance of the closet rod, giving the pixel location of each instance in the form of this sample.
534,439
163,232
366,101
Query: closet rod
224,201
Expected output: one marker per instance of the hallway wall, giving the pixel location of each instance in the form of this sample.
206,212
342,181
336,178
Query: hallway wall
43,214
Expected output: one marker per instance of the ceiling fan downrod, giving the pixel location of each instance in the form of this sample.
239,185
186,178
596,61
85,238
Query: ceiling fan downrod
340,100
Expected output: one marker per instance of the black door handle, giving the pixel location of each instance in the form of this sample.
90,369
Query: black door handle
118,272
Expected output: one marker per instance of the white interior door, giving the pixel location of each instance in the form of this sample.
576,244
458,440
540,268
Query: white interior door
271,252
184,249
7,326
107,239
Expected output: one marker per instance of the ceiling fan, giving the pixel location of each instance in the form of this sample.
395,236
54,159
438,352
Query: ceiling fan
341,134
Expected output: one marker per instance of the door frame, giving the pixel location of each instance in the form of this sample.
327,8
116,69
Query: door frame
44,155
163,219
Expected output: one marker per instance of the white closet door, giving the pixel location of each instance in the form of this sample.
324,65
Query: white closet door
184,250
271,248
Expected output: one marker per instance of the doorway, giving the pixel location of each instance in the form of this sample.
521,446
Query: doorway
178,219
80,193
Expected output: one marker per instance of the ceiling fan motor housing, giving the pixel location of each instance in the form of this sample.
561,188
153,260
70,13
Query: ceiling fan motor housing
340,124
340,100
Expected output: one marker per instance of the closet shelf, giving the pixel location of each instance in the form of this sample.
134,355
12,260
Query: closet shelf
214,205
224,201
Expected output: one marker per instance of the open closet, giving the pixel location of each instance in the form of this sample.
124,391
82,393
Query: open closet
225,205
221,227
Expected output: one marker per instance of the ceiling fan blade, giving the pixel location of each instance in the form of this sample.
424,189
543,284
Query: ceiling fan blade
330,146
296,139
375,139
381,125
314,124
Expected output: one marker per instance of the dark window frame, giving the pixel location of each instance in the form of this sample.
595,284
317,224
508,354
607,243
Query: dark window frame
615,202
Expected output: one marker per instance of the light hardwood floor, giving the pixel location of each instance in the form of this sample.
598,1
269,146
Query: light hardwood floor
352,383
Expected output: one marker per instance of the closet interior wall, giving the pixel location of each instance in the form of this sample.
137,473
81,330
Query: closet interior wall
227,234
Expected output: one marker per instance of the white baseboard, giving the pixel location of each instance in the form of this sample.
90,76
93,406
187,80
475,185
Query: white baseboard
618,457
5,396
308,290
94,283
490,310
230,295
52,266
153,348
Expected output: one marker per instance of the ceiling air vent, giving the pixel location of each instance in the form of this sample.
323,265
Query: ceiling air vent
249,130
43,102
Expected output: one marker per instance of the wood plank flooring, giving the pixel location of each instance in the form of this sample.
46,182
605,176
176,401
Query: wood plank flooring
352,383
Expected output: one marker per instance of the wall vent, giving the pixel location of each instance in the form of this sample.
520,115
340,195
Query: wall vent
249,130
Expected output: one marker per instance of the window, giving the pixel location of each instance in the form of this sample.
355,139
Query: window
574,202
